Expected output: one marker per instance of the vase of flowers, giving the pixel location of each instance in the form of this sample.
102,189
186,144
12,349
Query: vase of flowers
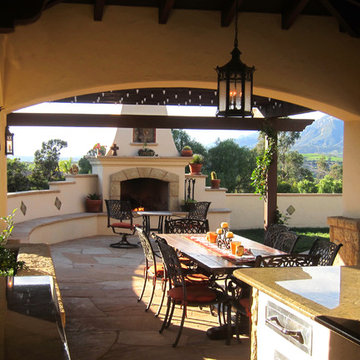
100,150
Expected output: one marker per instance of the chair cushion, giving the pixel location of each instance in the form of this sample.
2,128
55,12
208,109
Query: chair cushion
245,303
195,294
196,278
159,270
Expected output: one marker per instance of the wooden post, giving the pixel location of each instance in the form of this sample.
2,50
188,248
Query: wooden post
270,202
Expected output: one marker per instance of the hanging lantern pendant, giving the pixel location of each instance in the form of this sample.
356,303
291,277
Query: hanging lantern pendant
235,85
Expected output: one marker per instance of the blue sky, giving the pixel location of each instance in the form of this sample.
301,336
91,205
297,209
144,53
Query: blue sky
28,139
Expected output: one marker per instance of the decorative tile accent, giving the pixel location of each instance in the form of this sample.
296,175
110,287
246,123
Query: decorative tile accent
290,210
58,203
23,208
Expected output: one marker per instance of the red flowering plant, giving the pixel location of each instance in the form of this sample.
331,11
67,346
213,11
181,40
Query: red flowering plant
98,150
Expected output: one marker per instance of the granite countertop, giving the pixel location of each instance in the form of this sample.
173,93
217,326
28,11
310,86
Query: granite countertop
331,291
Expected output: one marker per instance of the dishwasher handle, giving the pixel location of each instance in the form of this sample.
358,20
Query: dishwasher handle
295,334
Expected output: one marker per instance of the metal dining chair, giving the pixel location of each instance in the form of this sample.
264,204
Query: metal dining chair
272,232
195,222
181,293
121,211
286,241
153,270
199,210
327,251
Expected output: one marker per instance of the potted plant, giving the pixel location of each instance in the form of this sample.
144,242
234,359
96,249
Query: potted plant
196,164
215,182
93,203
186,151
145,151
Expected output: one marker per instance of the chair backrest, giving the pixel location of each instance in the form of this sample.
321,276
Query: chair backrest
286,241
288,260
272,232
146,245
199,210
119,209
186,226
327,251
171,263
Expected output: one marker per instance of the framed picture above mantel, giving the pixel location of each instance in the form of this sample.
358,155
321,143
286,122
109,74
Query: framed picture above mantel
144,135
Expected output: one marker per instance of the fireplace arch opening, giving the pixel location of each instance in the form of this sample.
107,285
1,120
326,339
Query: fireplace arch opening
151,194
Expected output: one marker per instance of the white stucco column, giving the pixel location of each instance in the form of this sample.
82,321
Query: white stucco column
351,177
3,174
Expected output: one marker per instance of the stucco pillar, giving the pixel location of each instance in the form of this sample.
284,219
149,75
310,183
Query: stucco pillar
351,177
3,174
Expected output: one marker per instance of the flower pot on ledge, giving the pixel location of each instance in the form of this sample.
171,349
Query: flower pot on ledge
195,169
93,206
215,183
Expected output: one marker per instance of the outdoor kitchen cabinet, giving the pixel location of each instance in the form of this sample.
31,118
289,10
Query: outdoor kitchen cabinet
304,313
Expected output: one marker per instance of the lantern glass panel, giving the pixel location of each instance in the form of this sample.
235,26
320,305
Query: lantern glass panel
222,95
247,106
9,144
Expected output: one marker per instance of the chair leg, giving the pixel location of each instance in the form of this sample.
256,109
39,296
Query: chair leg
152,294
166,315
181,326
144,286
124,244
164,284
171,315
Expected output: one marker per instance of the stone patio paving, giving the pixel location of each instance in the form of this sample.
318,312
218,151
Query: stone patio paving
100,286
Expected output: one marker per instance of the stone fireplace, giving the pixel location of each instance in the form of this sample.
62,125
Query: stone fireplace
149,187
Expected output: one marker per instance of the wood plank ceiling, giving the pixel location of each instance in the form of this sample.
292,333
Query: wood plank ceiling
346,12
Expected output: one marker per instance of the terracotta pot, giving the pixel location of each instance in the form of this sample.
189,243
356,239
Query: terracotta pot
93,205
186,152
215,184
195,169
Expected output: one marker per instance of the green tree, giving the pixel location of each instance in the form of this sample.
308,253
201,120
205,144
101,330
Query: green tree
323,167
306,186
336,171
329,185
17,175
46,163
233,165
65,166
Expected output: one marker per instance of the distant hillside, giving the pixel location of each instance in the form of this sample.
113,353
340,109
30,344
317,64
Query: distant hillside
324,136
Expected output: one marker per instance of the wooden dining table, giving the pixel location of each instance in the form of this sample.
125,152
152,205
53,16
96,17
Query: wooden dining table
214,260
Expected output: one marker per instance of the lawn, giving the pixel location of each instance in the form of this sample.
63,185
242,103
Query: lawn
316,157
307,236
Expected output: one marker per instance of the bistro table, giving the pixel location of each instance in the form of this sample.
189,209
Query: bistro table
163,214
213,260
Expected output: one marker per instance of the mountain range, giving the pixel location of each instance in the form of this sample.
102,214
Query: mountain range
323,136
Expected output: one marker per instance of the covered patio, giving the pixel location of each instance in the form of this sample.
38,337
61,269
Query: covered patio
100,286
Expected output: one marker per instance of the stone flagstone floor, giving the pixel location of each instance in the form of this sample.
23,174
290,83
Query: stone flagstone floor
100,286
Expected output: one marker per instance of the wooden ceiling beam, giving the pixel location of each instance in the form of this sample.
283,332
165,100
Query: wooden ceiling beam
291,12
344,15
165,8
155,121
99,9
